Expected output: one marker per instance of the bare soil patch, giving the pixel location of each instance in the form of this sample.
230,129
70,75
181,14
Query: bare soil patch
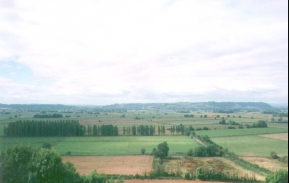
169,181
270,164
123,165
188,164
278,136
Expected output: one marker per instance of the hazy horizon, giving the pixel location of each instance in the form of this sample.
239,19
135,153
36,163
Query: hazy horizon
272,104
105,52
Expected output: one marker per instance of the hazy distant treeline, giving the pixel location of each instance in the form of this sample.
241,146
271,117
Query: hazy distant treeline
48,116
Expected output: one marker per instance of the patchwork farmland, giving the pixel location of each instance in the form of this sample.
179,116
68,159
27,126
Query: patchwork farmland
128,154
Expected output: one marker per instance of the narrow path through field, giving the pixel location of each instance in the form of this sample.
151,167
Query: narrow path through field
199,141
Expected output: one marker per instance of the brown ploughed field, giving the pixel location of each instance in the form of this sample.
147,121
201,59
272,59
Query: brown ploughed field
123,165
278,136
270,164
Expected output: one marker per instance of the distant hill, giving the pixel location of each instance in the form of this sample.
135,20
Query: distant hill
183,106
35,107
179,106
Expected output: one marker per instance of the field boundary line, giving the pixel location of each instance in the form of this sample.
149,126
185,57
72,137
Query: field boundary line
199,141
247,135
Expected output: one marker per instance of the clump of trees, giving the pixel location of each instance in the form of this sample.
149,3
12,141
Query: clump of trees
179,129
102,130
142,150
259,124
30,165
283,159
204,174
277,177
231,122
208,151
274,155
26,164
162,150
188,115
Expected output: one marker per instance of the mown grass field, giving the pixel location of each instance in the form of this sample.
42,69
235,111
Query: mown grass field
119,145
32,141
150,117
252,145
123,145
240,132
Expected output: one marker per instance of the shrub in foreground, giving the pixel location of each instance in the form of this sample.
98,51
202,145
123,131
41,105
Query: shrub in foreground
281,176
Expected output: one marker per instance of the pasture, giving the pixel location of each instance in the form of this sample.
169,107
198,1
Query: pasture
240,132
31,141
150,117
122,154
252,145
116,145
123,145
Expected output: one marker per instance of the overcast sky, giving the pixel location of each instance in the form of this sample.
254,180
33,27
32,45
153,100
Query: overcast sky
104,52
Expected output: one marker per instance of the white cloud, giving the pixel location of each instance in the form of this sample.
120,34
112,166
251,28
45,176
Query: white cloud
106,51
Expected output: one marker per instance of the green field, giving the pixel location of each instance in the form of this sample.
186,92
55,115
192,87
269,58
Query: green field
120,145
240,132
32,141
238,140
252,145
148,116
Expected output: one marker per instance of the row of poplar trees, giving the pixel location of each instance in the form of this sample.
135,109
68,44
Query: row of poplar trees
110,130
37,128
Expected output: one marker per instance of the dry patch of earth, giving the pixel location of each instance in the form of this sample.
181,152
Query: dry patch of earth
270,164
123,165
189,164
278,136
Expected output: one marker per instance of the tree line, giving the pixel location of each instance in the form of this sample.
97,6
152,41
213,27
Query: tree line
35,128
142,130
48,116
104,130
30,165
39,128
